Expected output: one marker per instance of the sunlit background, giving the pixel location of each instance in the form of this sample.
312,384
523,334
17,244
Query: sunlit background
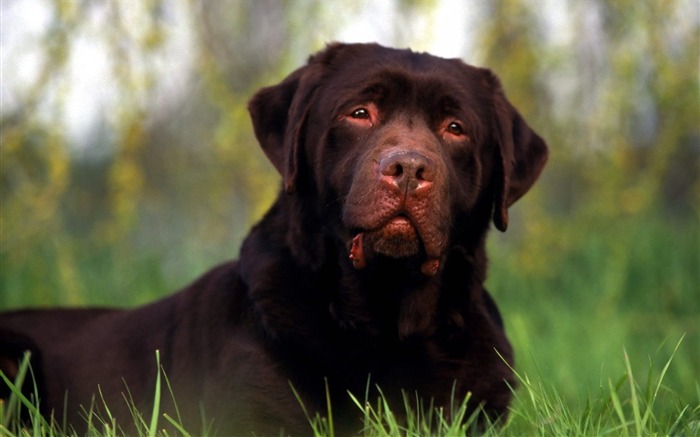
128,164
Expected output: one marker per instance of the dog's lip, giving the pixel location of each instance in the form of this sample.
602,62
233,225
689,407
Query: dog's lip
401,224
400,218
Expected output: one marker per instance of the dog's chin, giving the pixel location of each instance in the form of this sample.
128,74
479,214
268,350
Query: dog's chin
396,239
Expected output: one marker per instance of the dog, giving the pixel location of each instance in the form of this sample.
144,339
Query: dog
366,272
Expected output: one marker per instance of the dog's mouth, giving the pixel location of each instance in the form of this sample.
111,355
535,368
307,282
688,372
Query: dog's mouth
396,238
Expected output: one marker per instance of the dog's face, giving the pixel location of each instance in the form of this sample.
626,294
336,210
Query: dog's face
397,148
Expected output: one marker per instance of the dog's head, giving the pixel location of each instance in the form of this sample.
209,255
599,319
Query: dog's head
397,151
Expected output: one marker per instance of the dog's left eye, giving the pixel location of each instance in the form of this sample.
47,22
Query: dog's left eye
455,128
361,113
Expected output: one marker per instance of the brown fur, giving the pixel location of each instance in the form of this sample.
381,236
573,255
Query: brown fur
397,159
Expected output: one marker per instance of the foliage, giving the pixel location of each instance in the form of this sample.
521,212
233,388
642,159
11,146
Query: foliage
613,102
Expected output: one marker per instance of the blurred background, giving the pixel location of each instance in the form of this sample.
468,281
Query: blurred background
128,164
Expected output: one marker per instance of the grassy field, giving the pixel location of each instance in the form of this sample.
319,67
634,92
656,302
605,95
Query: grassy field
626,406
598,276
605,321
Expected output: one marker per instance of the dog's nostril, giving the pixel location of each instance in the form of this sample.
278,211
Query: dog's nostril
391,168
425,173
403,166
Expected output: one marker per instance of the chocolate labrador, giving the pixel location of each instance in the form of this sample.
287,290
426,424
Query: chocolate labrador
366,272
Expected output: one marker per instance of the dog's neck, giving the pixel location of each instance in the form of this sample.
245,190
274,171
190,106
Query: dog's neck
389,299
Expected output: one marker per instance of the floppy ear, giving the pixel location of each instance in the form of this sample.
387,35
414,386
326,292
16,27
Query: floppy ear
279,113
521,156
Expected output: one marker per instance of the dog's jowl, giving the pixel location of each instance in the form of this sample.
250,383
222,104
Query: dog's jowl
366,272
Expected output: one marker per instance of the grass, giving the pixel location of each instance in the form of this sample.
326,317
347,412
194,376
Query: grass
595,311
625,406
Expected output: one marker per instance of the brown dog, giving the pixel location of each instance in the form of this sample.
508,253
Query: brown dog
367,271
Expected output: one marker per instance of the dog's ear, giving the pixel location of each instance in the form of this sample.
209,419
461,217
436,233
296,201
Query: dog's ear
521,155
279,113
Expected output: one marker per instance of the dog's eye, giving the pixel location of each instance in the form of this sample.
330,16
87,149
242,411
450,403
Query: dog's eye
455,128
360,113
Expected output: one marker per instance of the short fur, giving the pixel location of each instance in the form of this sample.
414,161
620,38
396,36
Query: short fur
367,271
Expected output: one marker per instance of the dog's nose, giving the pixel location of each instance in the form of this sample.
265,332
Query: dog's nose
407,169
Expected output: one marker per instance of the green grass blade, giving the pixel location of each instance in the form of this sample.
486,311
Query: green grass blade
633,394
17,398
665,369
177,425
618,408
153,427
15,387
331,430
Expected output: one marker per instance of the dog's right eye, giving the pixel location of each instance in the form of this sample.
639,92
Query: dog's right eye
360,113
455,129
